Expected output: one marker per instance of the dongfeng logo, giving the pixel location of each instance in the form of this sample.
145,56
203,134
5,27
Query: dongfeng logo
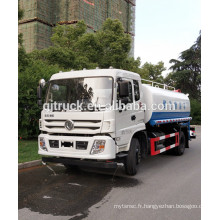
69,125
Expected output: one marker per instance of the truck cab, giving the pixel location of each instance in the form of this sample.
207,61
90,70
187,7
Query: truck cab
102,133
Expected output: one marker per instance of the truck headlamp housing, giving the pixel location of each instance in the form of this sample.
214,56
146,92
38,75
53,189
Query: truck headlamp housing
42,143
98,147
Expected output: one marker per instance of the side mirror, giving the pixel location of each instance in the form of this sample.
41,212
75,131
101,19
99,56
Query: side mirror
39,95
39,92
42,83
123,89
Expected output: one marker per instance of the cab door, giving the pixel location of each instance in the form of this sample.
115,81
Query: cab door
125,115
139,108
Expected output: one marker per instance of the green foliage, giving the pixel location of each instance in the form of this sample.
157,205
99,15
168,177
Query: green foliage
195,112
90,47
65,58
186,75
153,72
132,64
28,110
23,59
27,151
66,36
20,12
115,44
186,72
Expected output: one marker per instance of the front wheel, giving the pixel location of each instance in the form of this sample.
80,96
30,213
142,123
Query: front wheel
133,158
178,151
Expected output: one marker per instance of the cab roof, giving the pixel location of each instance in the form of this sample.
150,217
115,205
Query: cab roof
96,72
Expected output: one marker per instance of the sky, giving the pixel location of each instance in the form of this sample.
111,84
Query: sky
165,28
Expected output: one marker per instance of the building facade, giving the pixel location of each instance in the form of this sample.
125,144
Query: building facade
40,16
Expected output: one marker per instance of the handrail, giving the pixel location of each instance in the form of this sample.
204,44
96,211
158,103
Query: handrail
156,83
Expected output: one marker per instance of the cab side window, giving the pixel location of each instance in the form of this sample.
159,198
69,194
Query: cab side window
130,97
136,90
130,93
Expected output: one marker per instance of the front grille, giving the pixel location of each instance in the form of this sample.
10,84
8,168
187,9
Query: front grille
61,120
54,143
80,126
70,135
66,144
81,145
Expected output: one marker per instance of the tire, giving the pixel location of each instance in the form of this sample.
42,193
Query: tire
133,158
178,151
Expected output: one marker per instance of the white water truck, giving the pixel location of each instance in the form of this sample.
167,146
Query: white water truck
149,118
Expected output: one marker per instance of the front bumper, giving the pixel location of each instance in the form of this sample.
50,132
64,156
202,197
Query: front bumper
81,163
71,152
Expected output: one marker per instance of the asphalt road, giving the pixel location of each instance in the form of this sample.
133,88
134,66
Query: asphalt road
166,187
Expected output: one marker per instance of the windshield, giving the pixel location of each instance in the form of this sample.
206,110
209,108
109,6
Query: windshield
93,90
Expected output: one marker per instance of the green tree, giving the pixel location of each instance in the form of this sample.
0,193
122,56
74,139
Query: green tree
28,110
22,56
186,75
115,44
89,46
132,64
153,72
65,58
66,36
186,72
195,111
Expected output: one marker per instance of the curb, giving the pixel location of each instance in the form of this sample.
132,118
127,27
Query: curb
29,164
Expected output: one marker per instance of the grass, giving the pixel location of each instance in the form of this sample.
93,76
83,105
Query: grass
27,151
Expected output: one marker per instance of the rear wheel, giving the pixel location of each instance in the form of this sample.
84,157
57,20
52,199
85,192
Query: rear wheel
178,151
133,158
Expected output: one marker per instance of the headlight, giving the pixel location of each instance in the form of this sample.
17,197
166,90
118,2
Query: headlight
42,143
98,147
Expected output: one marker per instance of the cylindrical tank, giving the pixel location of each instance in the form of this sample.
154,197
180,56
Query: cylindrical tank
164,104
